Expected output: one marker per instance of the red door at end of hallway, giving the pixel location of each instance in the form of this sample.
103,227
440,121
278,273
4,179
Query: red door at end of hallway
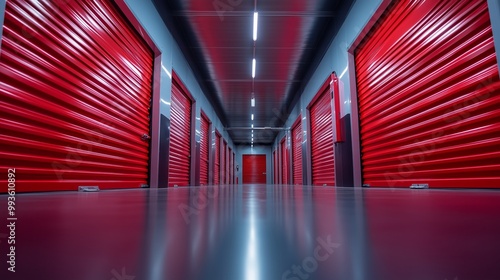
254,169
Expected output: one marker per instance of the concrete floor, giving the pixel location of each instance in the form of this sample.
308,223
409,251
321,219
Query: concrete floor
255,232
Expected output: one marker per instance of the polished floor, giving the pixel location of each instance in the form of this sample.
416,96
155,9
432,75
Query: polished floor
255,232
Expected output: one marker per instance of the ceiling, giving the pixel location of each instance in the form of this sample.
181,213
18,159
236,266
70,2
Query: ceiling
216,38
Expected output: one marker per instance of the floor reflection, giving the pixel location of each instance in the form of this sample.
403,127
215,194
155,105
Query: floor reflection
257,232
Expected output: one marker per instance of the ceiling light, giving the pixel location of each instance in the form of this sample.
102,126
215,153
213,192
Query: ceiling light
255,25
253,67
252,125
253,101
252,117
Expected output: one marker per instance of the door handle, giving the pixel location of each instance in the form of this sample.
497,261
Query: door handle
264,173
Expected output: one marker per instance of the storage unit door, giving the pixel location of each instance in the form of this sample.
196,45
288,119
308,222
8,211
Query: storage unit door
284,162
297,151
254,169
223,162
322,147
217,159
75,90
428,86
180,136
204,148
234,169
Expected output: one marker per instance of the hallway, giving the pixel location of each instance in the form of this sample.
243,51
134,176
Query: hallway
257,232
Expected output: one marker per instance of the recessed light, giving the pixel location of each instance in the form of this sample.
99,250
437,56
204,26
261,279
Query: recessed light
254,62
255,25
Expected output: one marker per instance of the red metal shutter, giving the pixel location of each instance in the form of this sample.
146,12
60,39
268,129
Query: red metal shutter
234,170
180,135
217,158
428,88
204,148
75,90
223,163
284,161
254,169
322,147
297,151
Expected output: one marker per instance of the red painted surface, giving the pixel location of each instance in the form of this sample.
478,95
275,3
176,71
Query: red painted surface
322,146
180,135
204,148
75,90
297,151
428,86
284,161
217,158
234,168
254,169
223,162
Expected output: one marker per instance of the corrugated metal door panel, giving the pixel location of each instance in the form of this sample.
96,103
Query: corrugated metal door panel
204,148
322,146
217,159
284,161
75,95
234,170
254,169
297,151
428,88
180,136
223,162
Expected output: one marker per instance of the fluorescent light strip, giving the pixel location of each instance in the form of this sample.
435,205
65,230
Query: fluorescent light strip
255,25
252,117
254,62
253,101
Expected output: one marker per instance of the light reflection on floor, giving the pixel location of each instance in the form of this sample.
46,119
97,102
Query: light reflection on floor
256,232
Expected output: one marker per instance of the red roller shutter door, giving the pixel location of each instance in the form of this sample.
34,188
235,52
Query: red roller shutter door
234,169
204,148
180,135
284,161
75,90
297,151
217,159
428,86
322,147
223,162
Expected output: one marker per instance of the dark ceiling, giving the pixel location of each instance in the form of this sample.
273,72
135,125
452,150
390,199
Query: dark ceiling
216,37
